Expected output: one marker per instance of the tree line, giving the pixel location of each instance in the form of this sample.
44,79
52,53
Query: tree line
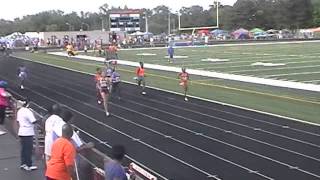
265,14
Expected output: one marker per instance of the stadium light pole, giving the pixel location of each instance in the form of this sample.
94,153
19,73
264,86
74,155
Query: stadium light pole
169,23
147,21
217,13
102,24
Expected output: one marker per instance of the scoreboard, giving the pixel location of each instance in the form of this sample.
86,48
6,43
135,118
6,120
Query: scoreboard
125,20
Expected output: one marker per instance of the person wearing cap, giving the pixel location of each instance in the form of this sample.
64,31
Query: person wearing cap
4,100
140,72
184,78
26,121
105,84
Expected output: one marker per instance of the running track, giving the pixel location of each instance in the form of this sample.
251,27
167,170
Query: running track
179,140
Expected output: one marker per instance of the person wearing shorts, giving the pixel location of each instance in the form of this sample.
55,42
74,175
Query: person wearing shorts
184,78
115,77
140,72
22,75
105,89
97,78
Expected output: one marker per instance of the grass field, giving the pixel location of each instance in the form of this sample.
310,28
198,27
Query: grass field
292,103
294,62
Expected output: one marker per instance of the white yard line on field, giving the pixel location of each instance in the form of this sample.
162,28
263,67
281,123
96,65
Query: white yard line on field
256,80
292,74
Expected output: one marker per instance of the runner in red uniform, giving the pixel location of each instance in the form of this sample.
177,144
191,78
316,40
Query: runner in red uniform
184,78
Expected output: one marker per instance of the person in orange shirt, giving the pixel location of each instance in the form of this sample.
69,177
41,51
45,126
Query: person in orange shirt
184,78
97,79
70,50
140,72
61,163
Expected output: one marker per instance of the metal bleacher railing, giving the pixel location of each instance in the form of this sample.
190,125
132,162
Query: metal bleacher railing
90,163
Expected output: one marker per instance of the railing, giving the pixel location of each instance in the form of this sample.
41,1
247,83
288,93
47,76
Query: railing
89,163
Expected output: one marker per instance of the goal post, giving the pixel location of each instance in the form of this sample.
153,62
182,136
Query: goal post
216,3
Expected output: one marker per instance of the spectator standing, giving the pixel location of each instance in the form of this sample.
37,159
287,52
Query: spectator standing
49,124
26,121
66,118
61,164
113,168
4,100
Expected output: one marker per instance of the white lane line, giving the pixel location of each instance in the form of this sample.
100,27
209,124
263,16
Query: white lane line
191,120
177,93
102,142
120,132
227,67
232,61
254,80
292,74
274,69
312,81
188,130
114,129
243,125
138,140
135,139
226,131
223,130
238,115
254,119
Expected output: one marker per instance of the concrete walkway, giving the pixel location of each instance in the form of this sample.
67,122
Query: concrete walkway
10,160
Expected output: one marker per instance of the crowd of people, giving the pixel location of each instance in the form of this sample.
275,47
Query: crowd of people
62,143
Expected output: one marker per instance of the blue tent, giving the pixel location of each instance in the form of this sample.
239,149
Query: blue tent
217,32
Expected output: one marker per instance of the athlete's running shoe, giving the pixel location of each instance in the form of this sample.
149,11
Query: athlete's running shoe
107,114
21,87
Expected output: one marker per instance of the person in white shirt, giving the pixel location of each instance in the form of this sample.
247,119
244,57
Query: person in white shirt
26,121
67,117
49,124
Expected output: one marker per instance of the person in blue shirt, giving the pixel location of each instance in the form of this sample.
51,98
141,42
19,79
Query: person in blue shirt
113,168
171,54
115,78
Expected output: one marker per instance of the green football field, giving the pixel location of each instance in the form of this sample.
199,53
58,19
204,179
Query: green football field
303,105
294,62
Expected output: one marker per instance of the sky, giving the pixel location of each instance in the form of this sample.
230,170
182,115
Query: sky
18,8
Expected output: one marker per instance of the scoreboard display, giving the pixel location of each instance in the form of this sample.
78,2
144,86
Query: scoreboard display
125,20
